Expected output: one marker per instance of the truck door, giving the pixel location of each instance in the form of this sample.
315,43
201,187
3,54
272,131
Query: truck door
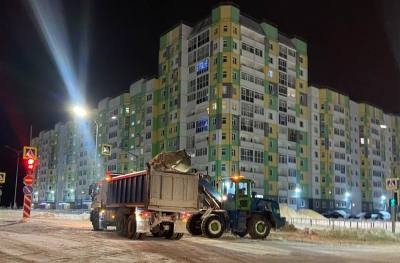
243,195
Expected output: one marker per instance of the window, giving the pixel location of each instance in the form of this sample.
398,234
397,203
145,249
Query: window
247,95
282,106
282,65
282,119
201,125
259,156
225,43
148,97
202,66
282,78
292,172
202,96
246,155
247,110
234,75
225,28
258,110
225,59
203,38
202,81
282,158
246,124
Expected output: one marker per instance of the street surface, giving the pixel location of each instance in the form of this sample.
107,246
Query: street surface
46,238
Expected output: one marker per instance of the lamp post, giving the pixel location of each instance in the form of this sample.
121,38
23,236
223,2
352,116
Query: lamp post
18,153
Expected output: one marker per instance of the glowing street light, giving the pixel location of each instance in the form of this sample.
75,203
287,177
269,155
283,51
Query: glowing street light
347,194
383,126
297,190
79,111
114,117
383,198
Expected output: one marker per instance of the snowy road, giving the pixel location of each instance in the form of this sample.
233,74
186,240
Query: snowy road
51,239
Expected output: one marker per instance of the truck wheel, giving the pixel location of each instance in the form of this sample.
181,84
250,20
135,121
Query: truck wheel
95,218
131,229
157,231
193,224
258,227
212,226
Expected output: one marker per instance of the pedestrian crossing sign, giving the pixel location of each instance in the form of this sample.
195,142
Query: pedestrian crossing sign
2,178
391,183
29,152
106,149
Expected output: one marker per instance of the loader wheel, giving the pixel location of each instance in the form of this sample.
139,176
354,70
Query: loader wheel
258,227
212,226
193,224
94,217
131,229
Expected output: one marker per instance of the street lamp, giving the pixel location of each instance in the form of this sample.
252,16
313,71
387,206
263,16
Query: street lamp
18,153
79,111
383,126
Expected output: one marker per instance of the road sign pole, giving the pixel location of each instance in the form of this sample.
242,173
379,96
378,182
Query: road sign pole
393,219
27,207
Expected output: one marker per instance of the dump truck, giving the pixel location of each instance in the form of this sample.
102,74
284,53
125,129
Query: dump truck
170,199
155,201
229,204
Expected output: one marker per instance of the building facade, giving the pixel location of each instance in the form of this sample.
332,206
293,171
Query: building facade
234,93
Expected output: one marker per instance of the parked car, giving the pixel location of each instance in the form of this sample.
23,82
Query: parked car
335,214
383,215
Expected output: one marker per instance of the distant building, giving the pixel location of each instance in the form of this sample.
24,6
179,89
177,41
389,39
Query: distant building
234,93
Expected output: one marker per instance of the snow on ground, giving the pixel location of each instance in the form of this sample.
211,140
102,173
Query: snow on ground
45,238
301,213
16,215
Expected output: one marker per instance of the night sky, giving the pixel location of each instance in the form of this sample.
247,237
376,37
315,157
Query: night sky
353,47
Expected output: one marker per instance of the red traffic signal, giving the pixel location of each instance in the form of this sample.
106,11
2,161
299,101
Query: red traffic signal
30,164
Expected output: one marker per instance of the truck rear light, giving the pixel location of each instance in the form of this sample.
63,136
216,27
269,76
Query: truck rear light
185,216
143,214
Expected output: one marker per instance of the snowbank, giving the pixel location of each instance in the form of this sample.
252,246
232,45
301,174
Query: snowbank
9,214
301,213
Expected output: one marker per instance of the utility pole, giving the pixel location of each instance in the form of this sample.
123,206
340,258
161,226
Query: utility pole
18,153
16,181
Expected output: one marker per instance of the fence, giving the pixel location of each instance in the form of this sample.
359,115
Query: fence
344,224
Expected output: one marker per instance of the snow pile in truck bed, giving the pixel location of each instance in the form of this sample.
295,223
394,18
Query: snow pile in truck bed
301,213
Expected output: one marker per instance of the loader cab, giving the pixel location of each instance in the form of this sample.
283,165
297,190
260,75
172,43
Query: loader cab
236,193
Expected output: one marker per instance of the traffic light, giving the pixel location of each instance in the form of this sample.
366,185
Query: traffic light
394,201
30,165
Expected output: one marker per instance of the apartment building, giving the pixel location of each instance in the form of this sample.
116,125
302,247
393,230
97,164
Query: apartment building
234,93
